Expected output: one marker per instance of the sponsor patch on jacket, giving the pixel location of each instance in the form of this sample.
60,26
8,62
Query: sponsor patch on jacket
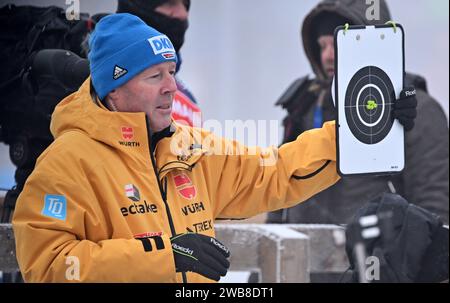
139,209
193,208
148,234
55,206
203,226
127,133
184,186
132,192
127,136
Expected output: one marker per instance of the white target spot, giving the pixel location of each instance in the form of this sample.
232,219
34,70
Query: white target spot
358,106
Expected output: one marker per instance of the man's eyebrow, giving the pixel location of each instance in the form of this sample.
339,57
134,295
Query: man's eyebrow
157,70
150,72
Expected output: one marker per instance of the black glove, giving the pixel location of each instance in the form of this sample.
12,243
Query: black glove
201,254
405,108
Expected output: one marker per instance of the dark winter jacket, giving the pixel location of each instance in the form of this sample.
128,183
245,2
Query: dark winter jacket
425,179
412,245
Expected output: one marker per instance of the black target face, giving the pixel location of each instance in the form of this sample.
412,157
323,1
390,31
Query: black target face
369,103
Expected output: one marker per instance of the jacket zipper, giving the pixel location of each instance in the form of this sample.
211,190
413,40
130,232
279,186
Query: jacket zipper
163,194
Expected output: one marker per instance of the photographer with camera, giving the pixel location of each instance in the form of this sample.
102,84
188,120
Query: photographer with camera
42,62
49,64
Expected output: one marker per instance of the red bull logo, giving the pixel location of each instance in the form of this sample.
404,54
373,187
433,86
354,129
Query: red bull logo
184,186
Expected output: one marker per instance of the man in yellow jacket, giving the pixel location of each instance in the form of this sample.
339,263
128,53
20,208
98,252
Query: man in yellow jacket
124,194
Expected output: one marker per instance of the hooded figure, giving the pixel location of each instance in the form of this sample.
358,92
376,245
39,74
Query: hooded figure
308,101
174,28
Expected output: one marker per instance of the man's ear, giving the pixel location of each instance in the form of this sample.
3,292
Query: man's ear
111,99
113,95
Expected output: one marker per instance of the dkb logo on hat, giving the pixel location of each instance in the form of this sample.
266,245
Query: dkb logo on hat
124,46
161,44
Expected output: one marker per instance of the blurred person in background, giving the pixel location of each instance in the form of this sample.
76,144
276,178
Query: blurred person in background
308,101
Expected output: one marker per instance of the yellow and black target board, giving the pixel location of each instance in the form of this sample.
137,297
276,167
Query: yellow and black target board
369,76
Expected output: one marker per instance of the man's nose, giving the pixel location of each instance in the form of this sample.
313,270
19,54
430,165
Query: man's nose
180,11
169,85
329,54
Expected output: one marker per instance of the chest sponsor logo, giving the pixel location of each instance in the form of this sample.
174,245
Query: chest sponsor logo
55,206
203,226
127,133
184,186
132,192
127,136
148,234
193,208
139,209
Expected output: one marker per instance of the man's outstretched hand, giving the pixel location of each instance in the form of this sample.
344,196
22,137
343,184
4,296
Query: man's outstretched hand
405,108
201,254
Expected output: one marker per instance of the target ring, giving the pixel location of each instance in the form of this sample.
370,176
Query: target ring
369,103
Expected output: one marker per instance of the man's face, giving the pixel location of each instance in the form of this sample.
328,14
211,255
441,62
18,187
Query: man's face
174,9
326,44
152,92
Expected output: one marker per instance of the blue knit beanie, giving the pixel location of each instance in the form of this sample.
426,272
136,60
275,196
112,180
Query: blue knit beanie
121,47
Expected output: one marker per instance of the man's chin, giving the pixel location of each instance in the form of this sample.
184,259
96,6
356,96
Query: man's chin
161,125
